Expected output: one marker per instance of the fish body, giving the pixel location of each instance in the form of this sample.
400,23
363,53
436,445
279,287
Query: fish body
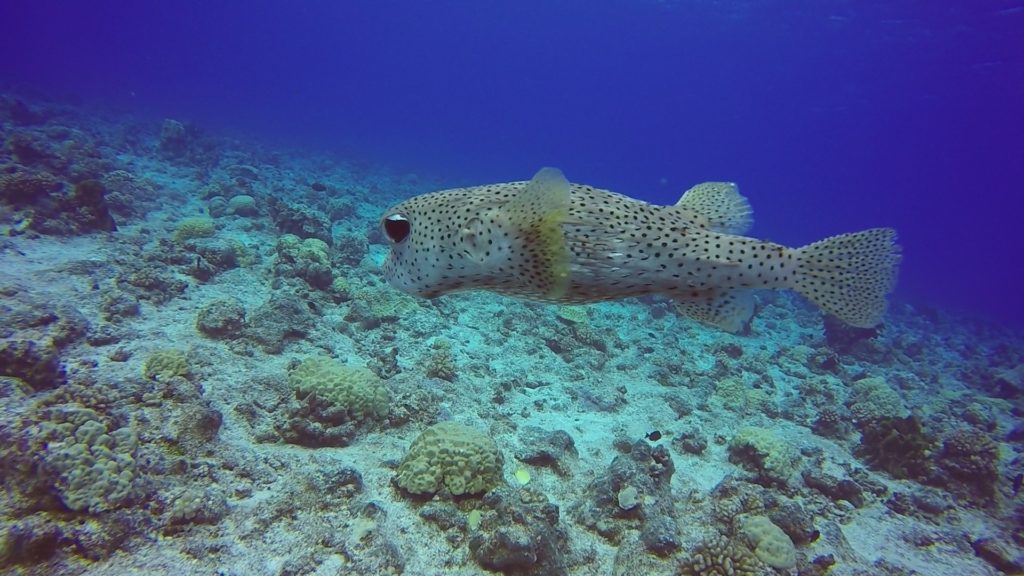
550,240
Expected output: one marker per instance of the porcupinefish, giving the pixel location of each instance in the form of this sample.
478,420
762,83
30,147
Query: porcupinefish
553,241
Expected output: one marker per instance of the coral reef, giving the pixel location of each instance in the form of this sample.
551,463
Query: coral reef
202,370
306,259
771,545
166,364
192,228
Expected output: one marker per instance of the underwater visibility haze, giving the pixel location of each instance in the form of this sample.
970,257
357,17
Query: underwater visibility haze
241,331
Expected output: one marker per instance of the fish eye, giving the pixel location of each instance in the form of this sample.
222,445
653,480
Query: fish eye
397,227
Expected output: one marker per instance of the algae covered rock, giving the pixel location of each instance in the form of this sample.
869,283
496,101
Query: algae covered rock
452,457
284,316
37,364
518,531
634,493
899,446
223,318
61,210
300,220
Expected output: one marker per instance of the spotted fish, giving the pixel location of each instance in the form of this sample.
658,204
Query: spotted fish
553,241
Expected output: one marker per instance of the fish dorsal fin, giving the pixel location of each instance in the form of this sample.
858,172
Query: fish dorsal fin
721,203
538,212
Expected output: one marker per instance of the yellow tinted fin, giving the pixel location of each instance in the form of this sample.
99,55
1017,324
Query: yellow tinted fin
538,212
730,310
721,203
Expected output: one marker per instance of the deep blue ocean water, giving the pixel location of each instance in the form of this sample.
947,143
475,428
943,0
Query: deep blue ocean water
831,115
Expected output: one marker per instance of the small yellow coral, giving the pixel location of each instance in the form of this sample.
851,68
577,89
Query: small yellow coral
386,304
165,364
475,517
192,228
735,396
573,314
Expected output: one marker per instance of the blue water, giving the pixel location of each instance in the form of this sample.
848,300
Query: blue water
831,115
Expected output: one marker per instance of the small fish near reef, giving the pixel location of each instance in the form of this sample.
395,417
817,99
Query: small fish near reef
553,241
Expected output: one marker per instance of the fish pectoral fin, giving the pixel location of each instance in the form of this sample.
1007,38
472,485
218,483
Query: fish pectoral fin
721,205
729,310
537,214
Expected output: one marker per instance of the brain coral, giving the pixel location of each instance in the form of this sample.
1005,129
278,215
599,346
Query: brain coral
348,393
452,456
92,465
771,545
242,205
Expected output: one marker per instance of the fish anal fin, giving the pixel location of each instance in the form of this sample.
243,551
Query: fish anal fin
729,310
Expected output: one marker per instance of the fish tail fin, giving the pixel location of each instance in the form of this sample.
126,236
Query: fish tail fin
849,275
